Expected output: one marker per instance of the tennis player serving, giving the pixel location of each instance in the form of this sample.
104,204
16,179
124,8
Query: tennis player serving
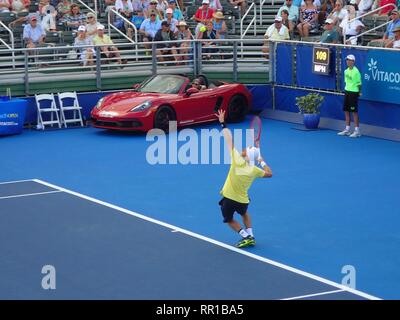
240,177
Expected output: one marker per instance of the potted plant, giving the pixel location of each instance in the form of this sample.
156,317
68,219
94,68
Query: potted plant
309,106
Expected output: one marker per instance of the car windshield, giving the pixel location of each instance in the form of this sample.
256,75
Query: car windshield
163,84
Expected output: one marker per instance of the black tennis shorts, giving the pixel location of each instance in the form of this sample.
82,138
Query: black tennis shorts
350,101
229,207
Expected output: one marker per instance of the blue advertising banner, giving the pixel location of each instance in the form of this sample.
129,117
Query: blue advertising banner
12,115
381,77
304,72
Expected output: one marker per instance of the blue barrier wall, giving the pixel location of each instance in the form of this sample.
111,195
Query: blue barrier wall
377,114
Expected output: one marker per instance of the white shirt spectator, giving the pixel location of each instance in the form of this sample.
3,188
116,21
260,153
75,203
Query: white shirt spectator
120,5
364,6
396,44
350,29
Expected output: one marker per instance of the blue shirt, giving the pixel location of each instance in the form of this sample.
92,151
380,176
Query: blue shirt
34,34
137,21
390,27
177,14
151,27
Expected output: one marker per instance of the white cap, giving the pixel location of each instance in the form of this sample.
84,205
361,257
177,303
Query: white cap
278,18
82,28
206,1
329,21
351,57
169,10
100,27
252,153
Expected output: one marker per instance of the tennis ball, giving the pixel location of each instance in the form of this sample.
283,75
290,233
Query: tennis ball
203,28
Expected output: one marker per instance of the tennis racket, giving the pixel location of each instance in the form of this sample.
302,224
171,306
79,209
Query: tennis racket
256,126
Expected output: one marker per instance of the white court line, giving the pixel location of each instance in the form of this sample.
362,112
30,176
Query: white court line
313,295
17,181
30,194
215,242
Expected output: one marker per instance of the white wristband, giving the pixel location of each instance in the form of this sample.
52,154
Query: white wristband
263,164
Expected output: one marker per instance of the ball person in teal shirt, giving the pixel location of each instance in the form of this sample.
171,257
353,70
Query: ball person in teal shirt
352,90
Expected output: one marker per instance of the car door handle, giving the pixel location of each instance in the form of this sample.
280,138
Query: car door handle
213,96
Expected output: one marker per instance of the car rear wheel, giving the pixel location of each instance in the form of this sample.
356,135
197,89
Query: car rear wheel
237,108
162,118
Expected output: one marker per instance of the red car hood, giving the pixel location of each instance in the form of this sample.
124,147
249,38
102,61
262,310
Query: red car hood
125,101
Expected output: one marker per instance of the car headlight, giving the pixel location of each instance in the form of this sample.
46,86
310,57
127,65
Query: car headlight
142,106
99,103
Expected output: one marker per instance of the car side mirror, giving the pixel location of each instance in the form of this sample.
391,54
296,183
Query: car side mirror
136,86
190,91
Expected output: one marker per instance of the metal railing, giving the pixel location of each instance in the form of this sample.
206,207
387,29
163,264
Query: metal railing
252,22
111,25
11,40
50,64
87,7
367,14
261,11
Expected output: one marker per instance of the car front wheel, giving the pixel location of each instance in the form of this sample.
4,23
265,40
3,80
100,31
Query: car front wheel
162,118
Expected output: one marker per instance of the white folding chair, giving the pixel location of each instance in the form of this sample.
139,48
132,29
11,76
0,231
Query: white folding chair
68,101
45,103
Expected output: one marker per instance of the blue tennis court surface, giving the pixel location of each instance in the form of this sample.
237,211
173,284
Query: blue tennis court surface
332,202
101,251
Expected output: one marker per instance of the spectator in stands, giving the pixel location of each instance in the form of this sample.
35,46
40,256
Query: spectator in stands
75,18
33,33
325,8
395,42
338,13
138,18
387,9
49,16
351,28
389,33
203,15
165,34
171,21
162,6
208,33
285,20
108,49
308,18
183,34
316,3
5,6
177,12
87,53
91,25
241,3
364,6
219,25
215,5
276,31
144,4
352,90
63,8
293,13
124,8
330,35
149,28
153,7
18,6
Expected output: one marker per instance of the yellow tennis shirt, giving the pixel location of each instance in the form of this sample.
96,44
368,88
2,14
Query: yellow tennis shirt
240,177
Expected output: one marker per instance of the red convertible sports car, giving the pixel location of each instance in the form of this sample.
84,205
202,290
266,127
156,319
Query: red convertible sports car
164,98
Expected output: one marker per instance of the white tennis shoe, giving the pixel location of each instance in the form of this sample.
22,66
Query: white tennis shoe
344,133
355,134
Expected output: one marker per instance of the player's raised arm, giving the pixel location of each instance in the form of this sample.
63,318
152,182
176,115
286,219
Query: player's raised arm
266,168
226,132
